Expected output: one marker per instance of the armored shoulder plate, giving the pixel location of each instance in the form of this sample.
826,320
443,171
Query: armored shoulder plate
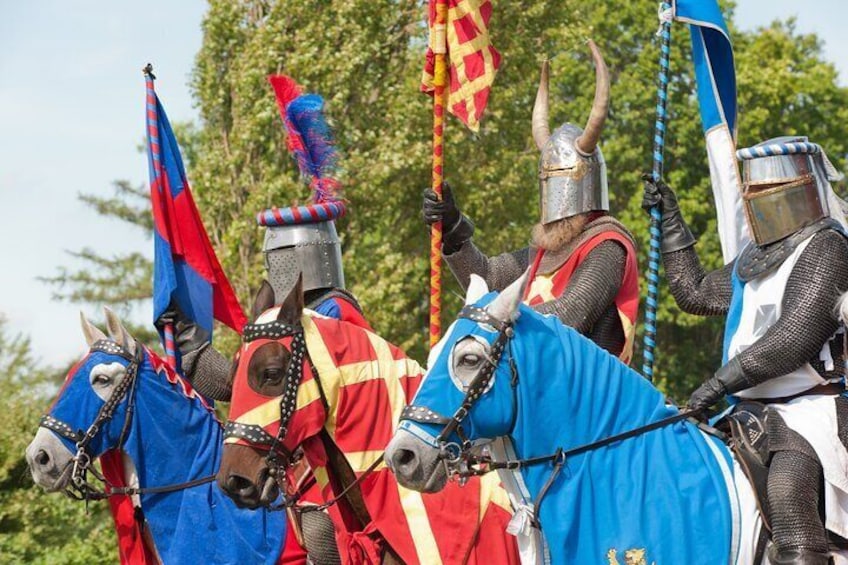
755,261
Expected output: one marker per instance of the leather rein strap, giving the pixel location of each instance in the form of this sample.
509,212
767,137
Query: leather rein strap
463,463
79,487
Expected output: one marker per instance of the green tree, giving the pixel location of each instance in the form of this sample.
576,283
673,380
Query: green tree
368,70
36,527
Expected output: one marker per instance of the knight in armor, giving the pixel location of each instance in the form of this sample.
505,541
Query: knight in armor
585,272
295,245
783,342
298,239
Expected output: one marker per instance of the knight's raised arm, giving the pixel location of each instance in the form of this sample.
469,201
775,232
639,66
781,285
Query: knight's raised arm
206,369
695,291
459,251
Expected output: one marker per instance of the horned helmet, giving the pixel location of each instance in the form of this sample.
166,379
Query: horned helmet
572,171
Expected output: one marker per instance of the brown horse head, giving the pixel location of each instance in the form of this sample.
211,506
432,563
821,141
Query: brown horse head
269,362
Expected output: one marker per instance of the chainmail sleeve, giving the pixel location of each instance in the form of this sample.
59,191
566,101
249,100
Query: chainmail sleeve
209,372
591,289
498,271
695,291
809,316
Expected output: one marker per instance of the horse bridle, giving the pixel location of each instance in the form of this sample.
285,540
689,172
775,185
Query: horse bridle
256,434
460,460
79,488
452,453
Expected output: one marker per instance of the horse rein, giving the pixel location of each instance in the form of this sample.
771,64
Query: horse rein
459,459
79,487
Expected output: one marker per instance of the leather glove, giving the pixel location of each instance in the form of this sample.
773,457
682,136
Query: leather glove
443,210
188,335
456,228
728,379
707,395
675,232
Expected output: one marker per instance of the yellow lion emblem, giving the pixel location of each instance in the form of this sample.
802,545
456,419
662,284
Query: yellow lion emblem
631,557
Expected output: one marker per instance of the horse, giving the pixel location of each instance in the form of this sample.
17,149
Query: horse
336,390
148,427
605,466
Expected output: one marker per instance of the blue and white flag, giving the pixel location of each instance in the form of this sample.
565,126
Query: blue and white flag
712,54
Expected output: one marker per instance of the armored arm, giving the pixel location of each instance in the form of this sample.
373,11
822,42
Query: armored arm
498,271
695,291
592,288
460,253
209,372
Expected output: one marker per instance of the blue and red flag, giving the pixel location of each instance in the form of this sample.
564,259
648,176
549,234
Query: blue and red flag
186,269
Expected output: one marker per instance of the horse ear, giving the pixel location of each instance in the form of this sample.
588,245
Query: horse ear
264,300
118,332
292,308
477,289
91,332
505,306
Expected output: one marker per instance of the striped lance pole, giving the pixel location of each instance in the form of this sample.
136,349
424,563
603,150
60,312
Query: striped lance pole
650,337
152,120
438,43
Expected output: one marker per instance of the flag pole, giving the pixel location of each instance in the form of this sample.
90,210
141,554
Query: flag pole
438,44
156,153
650,337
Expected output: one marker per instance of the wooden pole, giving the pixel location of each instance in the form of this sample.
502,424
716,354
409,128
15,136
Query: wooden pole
438,44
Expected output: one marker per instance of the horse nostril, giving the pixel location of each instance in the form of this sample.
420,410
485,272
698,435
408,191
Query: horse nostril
237,483
403,457
42,457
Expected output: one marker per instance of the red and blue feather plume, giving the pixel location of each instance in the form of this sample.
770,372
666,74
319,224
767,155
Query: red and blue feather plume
310,141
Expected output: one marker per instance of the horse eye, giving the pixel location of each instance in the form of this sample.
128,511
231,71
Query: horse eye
469,360
101,379
272,376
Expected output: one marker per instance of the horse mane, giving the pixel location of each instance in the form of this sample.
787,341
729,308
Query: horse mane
179,382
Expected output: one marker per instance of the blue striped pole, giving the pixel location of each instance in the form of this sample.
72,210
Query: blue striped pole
650,338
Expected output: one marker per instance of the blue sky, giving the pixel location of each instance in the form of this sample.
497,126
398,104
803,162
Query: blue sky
72,115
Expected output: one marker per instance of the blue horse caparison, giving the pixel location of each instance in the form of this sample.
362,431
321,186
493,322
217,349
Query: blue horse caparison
669,492
173,437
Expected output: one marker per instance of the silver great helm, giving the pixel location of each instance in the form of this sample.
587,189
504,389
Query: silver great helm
301,239
784,183
572,171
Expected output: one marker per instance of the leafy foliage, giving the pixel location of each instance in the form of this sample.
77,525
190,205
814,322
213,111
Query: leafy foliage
368,70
